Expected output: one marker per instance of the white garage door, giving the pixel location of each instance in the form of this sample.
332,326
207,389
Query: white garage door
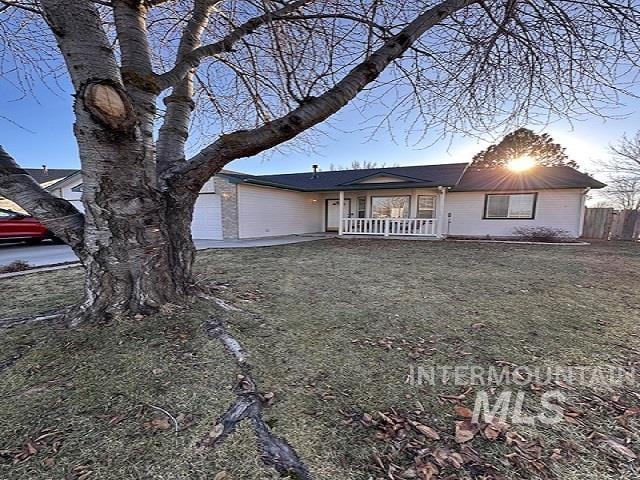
207,218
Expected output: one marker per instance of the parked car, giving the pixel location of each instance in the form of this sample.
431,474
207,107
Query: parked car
21,227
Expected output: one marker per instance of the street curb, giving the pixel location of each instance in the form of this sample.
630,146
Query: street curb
48,268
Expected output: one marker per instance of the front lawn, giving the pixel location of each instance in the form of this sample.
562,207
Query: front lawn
332,328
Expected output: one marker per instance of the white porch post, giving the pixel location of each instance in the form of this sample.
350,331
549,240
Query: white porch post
413,204
340,210
442,218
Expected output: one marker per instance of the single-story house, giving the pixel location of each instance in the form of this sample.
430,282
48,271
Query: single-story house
428,200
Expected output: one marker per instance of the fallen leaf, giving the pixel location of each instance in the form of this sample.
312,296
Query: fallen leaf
31,448
427,472
216,431
160,423
427,431
632,412
465,431
621,449
445,456
221,475
385,418
493,429
463,411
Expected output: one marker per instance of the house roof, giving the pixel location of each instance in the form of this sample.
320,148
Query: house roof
41,175
459,176
538,178
446,175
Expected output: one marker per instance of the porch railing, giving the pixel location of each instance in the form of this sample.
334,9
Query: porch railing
389,226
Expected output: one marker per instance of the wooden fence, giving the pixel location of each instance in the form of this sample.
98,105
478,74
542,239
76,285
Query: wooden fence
610,224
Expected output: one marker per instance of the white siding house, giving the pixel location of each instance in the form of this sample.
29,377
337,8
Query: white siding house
428,201
266,212
559,209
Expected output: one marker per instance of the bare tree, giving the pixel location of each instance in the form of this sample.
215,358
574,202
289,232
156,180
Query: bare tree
251,75
623,193
520,142
360,165
625,157
623,169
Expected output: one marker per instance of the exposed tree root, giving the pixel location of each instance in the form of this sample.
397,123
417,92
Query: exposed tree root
275,451
12,322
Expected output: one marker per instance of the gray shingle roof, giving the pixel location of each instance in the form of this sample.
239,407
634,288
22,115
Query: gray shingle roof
446,175
538,178
455,175
42,176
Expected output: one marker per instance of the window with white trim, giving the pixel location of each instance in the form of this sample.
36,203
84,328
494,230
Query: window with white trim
390,207
426,206
510,205
362,207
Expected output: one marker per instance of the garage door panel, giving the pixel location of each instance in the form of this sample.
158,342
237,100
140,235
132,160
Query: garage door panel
207,219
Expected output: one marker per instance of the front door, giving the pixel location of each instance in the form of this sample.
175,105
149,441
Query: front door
332,209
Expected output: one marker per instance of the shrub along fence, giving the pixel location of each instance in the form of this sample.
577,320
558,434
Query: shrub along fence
611,224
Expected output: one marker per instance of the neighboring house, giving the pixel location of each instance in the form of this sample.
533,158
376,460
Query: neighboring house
45,177
428,200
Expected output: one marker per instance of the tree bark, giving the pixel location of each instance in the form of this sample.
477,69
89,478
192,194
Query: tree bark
147,260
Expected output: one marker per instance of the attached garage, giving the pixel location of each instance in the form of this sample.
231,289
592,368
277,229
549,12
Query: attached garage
207,218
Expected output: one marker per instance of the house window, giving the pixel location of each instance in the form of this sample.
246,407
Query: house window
426,206
362,207
389,207
519,205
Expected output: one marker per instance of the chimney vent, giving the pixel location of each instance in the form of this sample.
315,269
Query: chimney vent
45,170
315,171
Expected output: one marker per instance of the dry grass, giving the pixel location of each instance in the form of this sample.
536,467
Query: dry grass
317,314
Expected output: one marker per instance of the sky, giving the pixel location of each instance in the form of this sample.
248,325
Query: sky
38,130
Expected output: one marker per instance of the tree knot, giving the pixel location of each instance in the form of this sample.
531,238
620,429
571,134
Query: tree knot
108,104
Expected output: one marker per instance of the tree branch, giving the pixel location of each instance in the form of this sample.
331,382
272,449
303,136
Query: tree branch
29,7
82,40
174,131
244,143
130,19
57,214
193,59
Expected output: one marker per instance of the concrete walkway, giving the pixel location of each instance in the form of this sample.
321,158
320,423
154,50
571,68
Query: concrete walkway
261,242
48,253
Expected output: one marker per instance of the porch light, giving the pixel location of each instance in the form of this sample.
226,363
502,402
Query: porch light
521,164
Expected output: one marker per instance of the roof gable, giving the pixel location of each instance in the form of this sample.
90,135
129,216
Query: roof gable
383,177
49,175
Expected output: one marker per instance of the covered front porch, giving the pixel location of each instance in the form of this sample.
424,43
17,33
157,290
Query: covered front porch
387,212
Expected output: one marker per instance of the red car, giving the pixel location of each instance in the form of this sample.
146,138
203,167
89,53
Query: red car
21,227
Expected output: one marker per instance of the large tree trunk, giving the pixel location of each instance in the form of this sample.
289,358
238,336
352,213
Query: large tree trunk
137,247
145,259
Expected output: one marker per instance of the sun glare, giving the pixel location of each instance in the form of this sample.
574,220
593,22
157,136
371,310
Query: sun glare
521,164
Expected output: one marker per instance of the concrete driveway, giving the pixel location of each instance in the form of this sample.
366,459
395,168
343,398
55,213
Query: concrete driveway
48,253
